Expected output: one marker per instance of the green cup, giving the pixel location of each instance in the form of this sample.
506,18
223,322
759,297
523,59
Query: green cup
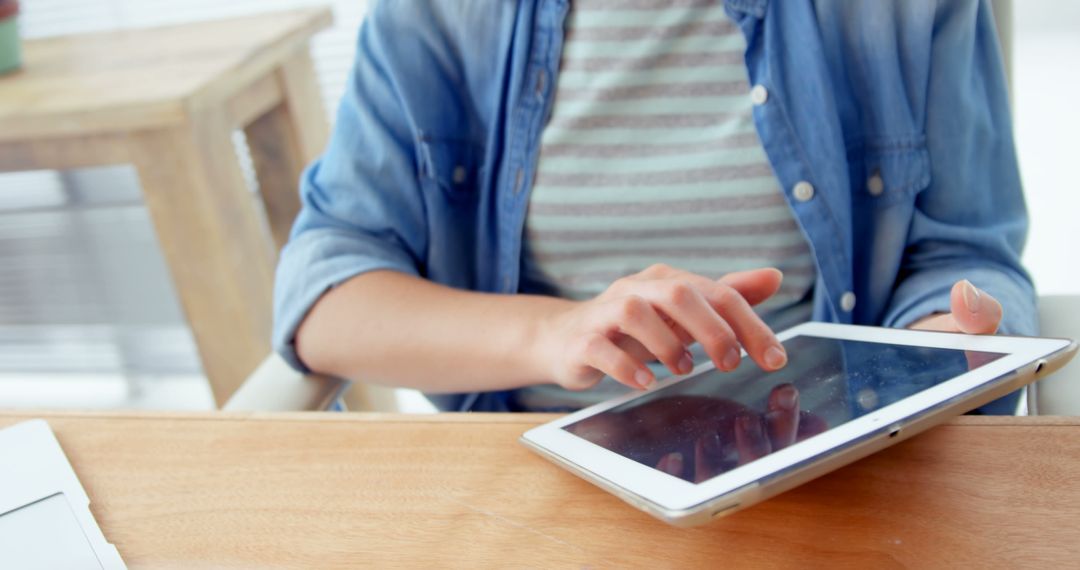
10,52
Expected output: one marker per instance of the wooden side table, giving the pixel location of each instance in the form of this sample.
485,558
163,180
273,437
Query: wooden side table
167,100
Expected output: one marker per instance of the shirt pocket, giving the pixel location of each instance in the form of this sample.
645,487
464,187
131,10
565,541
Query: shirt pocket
885,172
450,165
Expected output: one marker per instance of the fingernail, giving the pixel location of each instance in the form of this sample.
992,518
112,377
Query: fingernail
972,297
686,365
787,397
775,357
644,378
731,359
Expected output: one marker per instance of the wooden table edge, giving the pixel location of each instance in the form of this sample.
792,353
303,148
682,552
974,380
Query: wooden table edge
525,419
314,20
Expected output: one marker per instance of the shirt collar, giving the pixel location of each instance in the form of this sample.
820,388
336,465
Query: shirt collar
755,8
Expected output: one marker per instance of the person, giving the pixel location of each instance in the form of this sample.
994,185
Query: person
526,203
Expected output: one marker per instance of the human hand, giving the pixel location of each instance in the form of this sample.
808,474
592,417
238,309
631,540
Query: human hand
972,312
655,315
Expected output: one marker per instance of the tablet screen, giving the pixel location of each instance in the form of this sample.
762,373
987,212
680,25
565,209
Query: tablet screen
711,423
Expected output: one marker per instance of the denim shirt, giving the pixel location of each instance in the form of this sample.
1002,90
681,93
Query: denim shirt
887,125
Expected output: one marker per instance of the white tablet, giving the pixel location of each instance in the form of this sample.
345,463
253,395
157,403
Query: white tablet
710,443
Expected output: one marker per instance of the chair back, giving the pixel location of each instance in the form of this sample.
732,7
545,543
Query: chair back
1059,393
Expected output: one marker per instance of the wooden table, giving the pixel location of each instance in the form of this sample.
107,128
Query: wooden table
347,490
167,100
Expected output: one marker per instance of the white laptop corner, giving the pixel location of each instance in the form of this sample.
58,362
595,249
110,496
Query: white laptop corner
45,519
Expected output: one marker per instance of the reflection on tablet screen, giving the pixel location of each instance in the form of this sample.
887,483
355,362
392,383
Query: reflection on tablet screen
707,425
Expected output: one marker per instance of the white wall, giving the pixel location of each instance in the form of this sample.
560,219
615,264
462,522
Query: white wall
1046,91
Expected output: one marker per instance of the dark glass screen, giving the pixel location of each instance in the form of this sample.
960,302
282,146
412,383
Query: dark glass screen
704,426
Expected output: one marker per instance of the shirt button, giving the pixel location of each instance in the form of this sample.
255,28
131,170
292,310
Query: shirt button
459,174
847,301
875,185
759,95
803,191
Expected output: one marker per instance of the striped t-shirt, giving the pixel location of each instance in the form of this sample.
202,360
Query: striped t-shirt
651,155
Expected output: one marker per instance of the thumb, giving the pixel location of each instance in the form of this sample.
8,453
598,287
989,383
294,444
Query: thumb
974,310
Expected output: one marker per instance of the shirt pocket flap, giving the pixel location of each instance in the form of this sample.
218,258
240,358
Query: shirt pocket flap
452,164
894,172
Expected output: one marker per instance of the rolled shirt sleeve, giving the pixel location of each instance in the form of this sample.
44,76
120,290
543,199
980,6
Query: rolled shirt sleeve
361,204
971,221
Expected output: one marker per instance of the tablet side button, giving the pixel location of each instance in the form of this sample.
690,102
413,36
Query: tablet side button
725,510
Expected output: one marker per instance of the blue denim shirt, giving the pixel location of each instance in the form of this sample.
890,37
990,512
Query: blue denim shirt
434,152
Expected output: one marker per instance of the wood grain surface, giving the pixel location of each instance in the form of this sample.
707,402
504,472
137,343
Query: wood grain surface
145,78
354,490
212,235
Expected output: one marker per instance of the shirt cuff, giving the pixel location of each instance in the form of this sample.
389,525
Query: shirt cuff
926,292
316,261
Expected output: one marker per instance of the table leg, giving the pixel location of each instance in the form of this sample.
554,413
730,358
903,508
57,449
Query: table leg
214,242
277,167
285,139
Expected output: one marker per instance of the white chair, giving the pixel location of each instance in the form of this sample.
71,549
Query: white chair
276,387
1059,393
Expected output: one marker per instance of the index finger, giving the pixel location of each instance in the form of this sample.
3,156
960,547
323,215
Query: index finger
753,334
755,285
756,336
733,308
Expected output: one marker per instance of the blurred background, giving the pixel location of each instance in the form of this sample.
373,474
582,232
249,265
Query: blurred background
88,314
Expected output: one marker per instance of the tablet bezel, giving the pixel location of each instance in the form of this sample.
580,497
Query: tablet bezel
672,493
